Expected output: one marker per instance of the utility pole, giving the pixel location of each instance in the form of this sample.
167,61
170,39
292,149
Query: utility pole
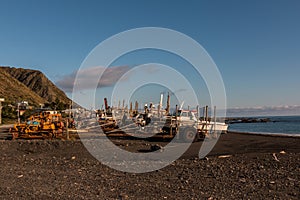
1,100
69,120
18,113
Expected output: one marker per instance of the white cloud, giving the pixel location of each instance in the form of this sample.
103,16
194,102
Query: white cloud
84,76
265,111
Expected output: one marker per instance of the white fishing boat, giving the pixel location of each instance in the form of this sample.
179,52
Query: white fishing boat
205,124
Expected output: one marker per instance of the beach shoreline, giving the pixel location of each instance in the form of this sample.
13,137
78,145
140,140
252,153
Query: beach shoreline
266,134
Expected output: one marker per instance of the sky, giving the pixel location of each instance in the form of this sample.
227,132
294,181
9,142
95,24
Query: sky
254,44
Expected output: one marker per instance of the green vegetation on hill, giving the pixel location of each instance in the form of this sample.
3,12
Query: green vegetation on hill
38,83
18,84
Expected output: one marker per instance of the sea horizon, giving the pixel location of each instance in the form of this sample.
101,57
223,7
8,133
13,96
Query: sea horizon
285,125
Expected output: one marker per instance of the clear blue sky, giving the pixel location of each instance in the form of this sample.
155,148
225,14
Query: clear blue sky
255,44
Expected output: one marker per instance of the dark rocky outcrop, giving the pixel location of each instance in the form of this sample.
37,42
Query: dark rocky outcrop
29,85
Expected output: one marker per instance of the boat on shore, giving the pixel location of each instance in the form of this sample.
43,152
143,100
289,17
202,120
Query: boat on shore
152,121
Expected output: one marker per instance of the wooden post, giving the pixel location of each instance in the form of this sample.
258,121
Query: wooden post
68,137
105,104
176,113
215,120
206,119
0,112
197,116
18,113
68,121
158,110
130,109
168,104
1,100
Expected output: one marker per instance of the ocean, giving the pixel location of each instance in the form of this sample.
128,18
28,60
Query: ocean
281,125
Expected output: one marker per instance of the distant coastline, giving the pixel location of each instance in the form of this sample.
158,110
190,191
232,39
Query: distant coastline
277,125
264,111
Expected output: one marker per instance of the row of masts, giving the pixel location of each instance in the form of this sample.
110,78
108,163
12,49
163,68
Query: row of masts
136,106
160,112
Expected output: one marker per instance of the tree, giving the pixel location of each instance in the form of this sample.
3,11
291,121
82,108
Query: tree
9,112
57,105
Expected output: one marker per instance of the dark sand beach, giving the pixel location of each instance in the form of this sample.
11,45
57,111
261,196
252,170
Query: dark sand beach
241,166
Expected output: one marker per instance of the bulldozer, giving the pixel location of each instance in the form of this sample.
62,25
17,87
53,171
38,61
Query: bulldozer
45,125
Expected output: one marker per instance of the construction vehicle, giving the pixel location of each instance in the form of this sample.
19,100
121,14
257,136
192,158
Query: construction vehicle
44,125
